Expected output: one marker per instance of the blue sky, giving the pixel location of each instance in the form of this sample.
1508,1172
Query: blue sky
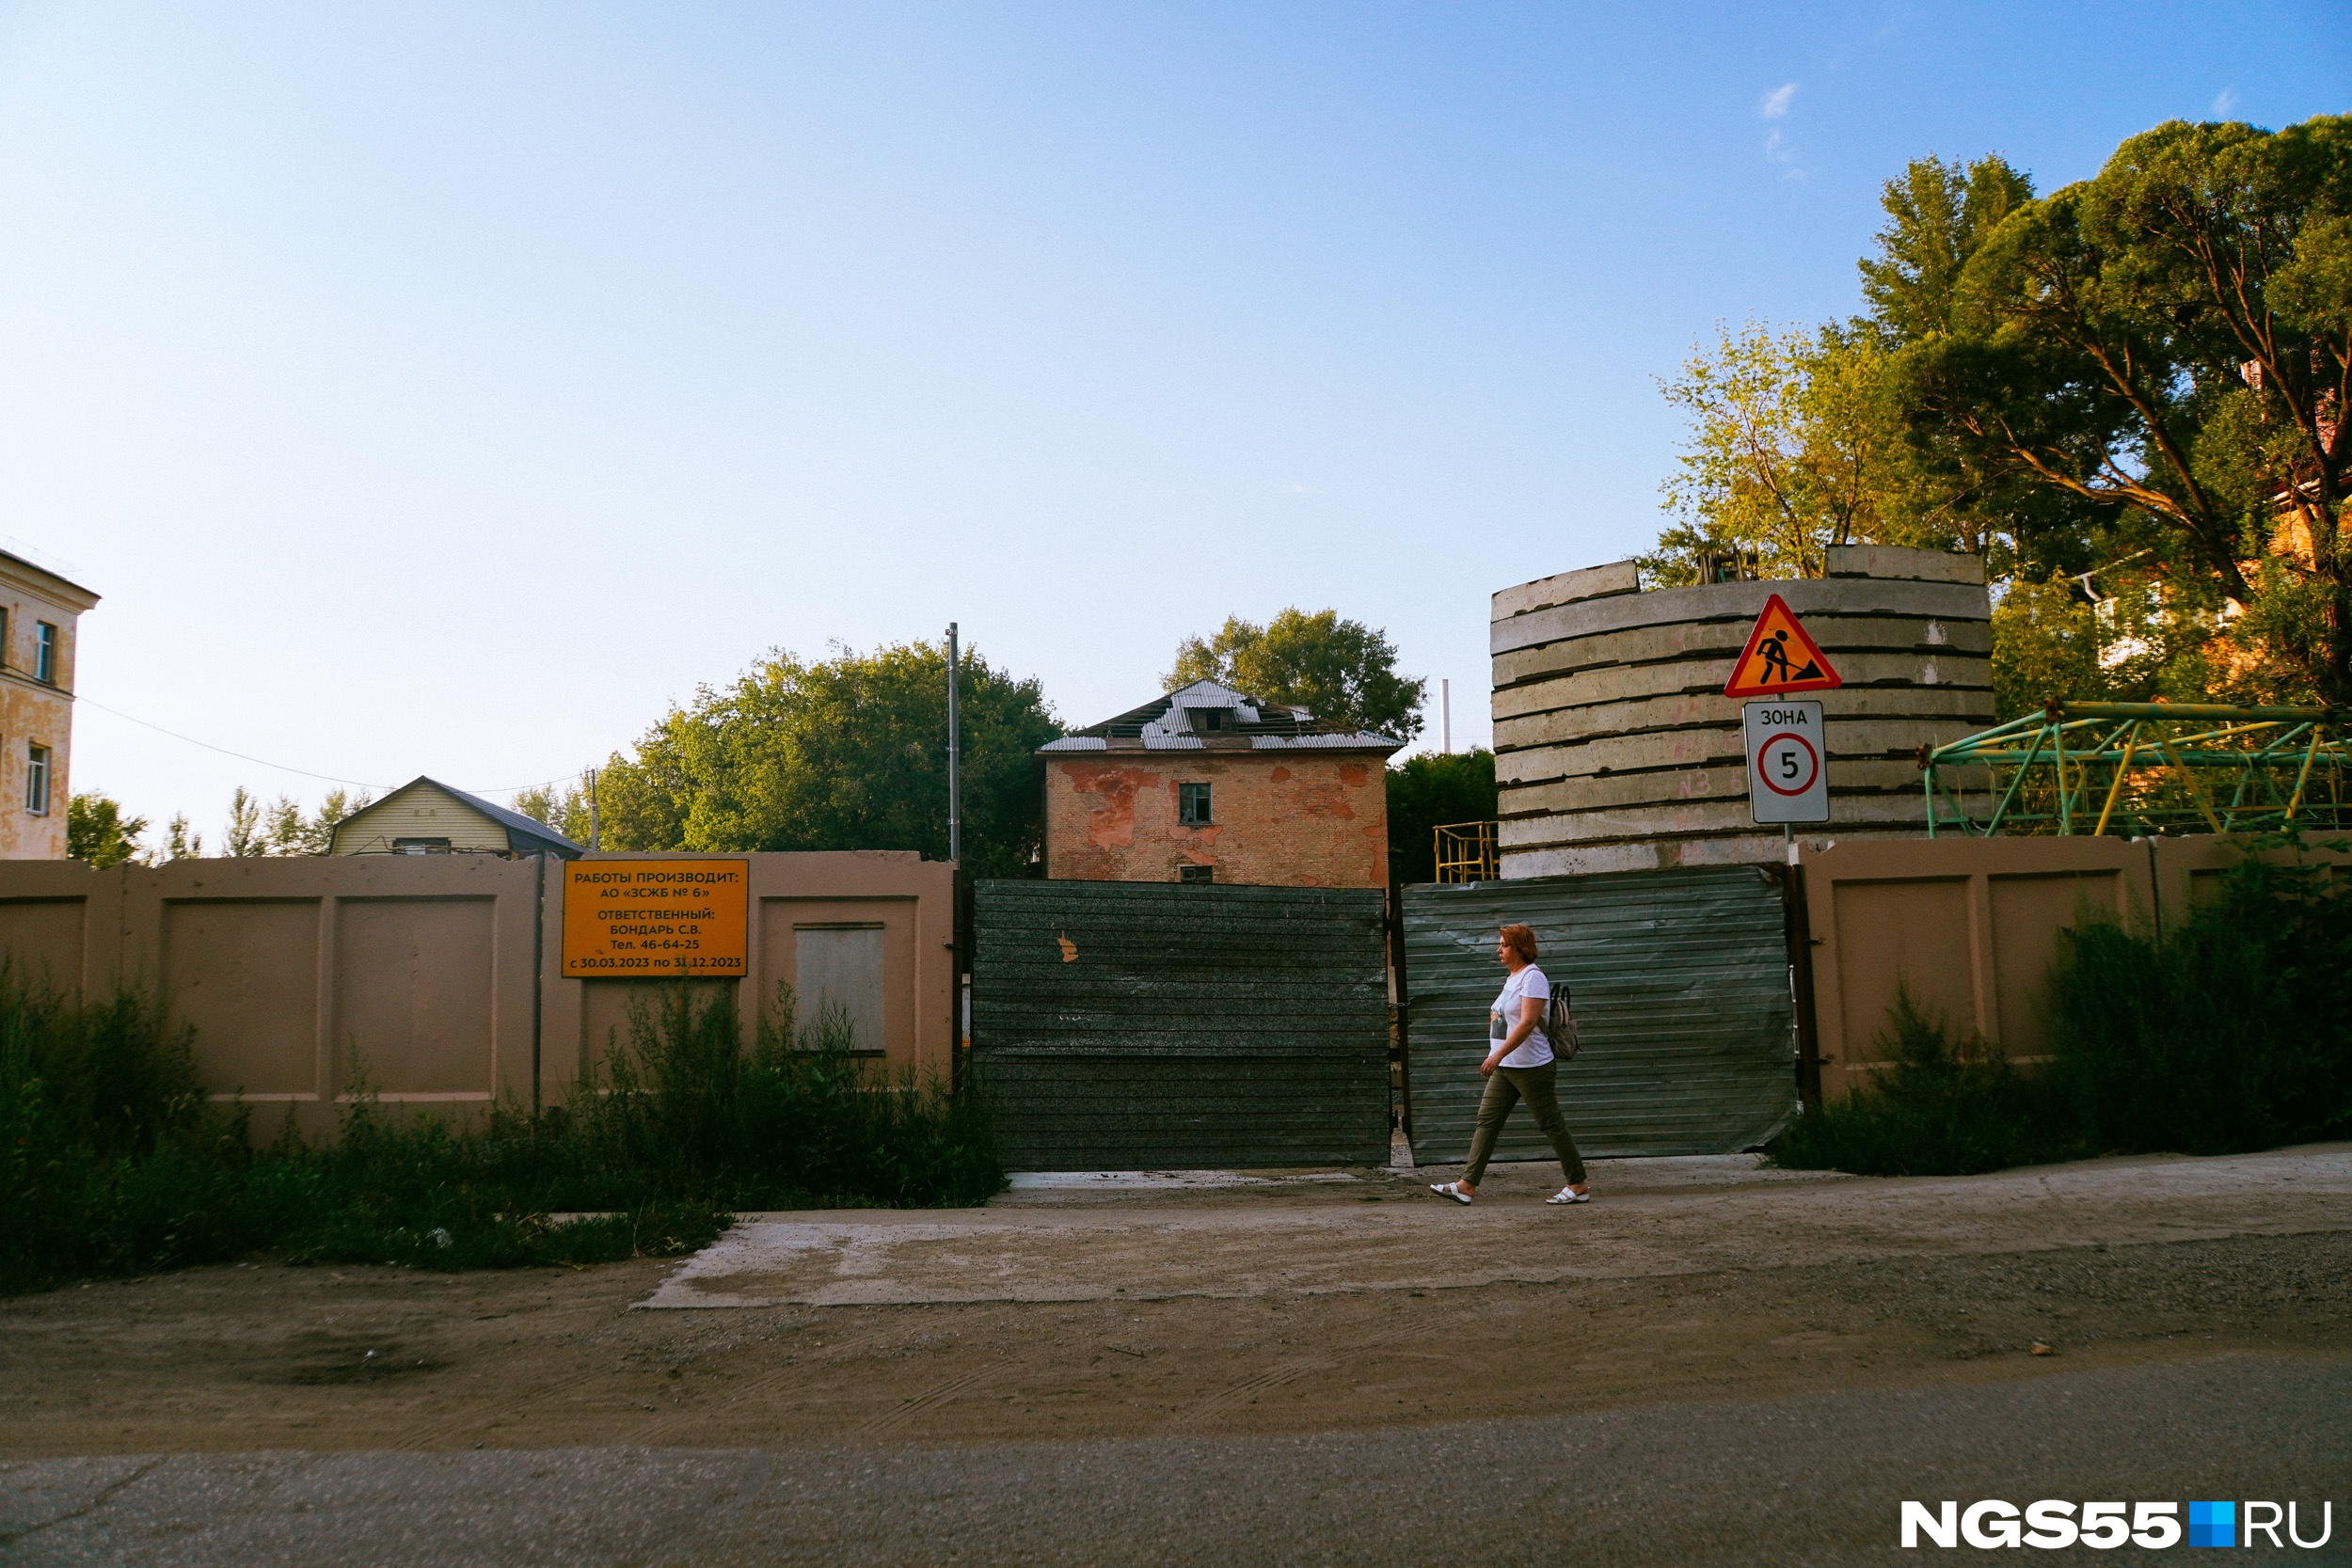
451,389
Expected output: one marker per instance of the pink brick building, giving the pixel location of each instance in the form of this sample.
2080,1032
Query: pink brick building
1207,783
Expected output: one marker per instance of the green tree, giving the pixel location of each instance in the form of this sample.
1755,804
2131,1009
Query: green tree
245,835
565,810
317,835
98,834
2045,645
1788,452
2168,347
849,752
1429,792
279,827
1937,493
1938,215
180,841
1341,672
1798,437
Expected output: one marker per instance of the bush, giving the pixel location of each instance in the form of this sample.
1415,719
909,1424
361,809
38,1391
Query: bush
2232,1032
113,1161
1940,1110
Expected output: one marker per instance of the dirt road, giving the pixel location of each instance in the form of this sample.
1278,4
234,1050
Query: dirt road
1356,1303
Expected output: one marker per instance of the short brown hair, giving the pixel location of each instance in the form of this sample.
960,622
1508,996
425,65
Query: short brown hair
1520,940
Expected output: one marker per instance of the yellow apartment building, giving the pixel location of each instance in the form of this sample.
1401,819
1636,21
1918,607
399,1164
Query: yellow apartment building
39,612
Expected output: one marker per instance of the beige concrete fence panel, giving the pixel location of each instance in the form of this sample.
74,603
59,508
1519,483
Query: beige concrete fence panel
1971,927
909,901
306,977
1968,927
60,924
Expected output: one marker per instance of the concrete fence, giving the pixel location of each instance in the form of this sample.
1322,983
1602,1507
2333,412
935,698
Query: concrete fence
437,976
1971,927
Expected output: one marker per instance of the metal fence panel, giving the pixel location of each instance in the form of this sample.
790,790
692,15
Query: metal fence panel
1151,1025
1681,996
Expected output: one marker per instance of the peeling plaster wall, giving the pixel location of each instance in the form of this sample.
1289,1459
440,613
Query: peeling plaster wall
35,712
1281,821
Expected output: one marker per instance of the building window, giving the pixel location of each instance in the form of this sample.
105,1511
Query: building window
420,847
45,653
1192,805
1211,718
37,780
1195,873
840,980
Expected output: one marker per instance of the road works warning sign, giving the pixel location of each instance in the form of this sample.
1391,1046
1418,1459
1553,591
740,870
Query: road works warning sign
655,918
1780,657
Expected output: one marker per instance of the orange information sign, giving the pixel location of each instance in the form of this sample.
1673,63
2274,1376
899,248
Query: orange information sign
656,918
1780,657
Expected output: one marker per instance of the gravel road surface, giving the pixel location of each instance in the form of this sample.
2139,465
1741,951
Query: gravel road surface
1814,1479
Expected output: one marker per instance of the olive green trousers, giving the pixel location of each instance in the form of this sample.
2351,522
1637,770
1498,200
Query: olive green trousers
1505,1089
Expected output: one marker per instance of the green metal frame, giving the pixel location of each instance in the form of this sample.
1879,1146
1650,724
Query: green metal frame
2143,767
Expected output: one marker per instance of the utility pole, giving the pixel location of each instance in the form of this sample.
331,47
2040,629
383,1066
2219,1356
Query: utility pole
1445,715
593,825
955,758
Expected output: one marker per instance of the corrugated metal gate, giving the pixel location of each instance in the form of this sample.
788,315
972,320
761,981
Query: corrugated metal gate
1682,1000
1150,1025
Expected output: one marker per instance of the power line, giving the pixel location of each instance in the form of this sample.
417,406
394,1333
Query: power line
327,778
241,756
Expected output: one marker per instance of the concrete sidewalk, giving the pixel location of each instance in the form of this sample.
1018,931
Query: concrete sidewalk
1161,1236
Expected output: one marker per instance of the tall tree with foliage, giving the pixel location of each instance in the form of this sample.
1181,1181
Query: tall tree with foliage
1788,452
1938,215
1797,440
2169,345
279,827
849,752
98,834
1343,671
244,835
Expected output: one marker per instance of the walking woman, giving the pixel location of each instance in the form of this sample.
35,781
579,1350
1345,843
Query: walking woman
1520,1066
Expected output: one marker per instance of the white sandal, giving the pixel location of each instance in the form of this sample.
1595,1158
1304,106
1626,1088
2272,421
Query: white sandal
1452,1189
1570,1194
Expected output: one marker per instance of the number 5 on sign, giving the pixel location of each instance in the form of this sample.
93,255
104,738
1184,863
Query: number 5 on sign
1787,762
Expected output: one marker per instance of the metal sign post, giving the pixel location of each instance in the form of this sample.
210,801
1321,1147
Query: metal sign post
1787,761
955,756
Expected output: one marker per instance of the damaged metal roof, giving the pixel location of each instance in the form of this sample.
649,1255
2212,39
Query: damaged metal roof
1208,717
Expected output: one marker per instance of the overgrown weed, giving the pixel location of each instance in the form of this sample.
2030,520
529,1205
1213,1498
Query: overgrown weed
1939,1109
113,1160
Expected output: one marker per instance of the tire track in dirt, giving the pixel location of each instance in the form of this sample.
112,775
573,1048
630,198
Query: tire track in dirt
929,1399
676,1421
1290,1372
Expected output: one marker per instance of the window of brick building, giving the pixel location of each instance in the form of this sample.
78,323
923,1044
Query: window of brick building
37,780
45,653
1195,873
1192,805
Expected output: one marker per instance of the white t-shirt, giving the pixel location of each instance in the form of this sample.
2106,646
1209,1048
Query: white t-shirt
1536,1050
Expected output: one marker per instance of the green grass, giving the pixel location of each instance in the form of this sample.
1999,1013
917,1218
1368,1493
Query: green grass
114,1161
2230,1033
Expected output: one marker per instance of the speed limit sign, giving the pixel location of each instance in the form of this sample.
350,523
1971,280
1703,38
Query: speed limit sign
1787,771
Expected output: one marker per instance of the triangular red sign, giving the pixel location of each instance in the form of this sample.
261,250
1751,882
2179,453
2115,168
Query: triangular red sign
1780,657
